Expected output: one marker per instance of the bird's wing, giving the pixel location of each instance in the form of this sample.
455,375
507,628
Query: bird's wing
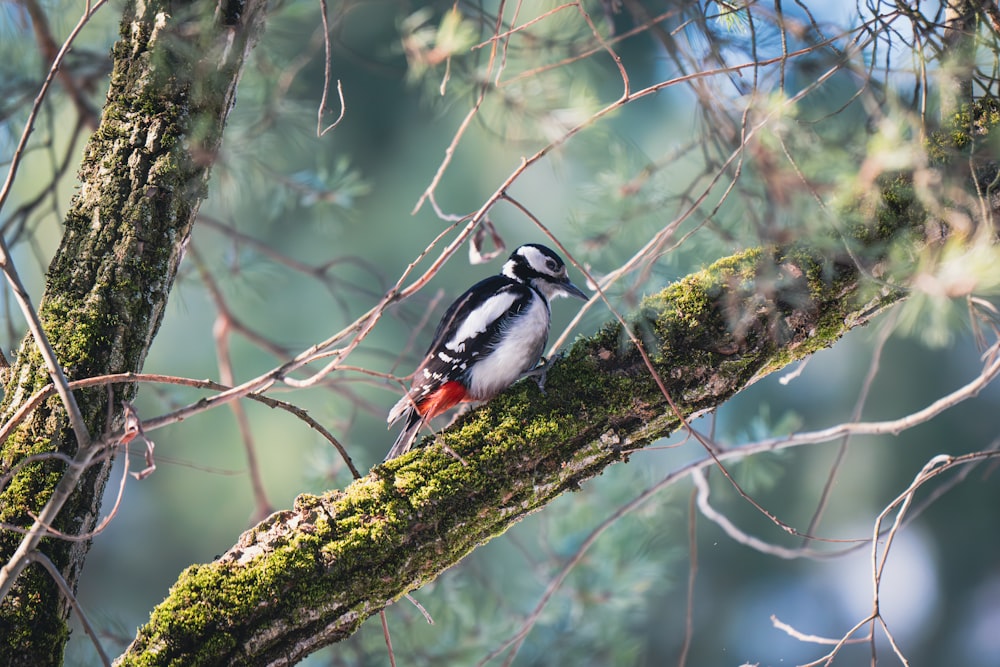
467,330
469,301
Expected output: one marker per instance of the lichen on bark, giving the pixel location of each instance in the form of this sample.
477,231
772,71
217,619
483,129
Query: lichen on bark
318,570
308,576
142,178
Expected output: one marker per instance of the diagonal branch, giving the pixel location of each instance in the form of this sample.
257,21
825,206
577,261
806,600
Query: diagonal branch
308,576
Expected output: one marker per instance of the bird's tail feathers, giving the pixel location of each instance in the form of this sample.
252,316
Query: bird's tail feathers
404,408
409,433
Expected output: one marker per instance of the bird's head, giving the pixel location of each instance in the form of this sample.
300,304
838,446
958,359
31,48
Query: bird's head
540,267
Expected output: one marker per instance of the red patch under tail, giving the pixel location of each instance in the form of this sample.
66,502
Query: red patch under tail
444,398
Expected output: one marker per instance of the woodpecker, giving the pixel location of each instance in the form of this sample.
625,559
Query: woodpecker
492,335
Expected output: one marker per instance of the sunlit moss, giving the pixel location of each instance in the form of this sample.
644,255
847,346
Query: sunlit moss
707,335
967,127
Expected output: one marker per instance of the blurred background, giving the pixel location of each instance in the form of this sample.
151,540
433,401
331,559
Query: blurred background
302,234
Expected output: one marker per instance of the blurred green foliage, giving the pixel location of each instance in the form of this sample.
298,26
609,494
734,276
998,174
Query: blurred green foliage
281,198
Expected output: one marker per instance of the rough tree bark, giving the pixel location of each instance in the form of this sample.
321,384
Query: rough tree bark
309,576
143,177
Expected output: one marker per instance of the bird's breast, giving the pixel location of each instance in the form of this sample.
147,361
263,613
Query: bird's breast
517,348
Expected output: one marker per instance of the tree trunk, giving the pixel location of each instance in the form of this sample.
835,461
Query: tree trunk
143,177
310,575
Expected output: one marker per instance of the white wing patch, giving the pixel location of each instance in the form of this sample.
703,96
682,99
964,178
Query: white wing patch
518,350
480,319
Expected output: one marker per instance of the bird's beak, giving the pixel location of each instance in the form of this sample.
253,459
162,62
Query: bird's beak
569,289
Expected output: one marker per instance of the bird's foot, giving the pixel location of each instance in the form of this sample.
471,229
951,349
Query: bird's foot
539,373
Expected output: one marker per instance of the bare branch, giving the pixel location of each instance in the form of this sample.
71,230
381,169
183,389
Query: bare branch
328,61
43,560
42,93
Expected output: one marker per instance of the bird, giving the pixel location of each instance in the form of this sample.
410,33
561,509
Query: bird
490,337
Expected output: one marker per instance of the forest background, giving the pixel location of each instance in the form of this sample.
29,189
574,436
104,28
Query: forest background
647,141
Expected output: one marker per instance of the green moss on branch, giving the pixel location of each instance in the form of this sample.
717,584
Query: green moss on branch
310,575
142,179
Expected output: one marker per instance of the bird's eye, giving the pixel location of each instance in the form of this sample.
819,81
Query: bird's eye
550,264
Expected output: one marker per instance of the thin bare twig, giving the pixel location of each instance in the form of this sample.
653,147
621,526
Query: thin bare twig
29,125
692,577
812,639
739,536
67,484
449,152
328,61
36,399
388,639
901,504
220,332
50,51
53,571
887,328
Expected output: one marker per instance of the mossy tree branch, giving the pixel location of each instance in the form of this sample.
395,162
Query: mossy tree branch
143,177
309,576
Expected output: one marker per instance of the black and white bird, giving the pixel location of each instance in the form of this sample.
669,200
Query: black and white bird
492,335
